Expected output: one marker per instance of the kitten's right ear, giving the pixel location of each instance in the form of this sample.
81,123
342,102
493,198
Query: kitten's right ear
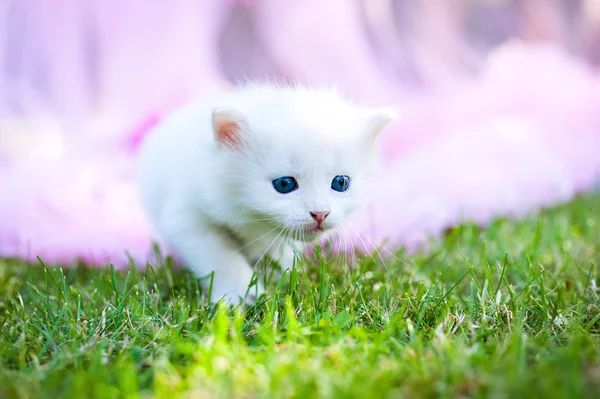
228,128
378,119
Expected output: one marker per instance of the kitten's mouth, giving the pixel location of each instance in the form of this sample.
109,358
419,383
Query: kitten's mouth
313,232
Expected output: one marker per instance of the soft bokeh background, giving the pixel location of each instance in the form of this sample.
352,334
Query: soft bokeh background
500,104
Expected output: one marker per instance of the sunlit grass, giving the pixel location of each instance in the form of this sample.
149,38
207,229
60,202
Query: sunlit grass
507,311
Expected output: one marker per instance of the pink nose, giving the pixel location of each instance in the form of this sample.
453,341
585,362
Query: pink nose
319,216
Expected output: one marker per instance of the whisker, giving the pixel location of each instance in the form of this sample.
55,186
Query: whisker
331,249
275,252
348,244
268,248
349,247
337,247
366,246
373,243
259,238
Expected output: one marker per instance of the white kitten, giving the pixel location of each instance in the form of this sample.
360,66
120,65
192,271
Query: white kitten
262,170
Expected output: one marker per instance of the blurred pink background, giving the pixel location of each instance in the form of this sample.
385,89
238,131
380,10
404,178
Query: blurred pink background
500,105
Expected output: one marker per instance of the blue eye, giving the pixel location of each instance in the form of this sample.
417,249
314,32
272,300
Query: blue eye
340,183
285,185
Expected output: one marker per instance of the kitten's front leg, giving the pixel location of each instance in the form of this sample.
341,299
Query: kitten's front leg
204,249
286,256
290,253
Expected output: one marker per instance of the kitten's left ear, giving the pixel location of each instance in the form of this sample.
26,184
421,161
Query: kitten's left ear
229,128
377,119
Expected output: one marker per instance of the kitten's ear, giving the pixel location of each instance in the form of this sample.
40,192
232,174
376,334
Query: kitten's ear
228,128
378,119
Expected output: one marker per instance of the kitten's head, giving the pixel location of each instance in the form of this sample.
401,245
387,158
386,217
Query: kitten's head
297,159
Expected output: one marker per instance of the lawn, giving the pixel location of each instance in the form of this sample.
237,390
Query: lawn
507,311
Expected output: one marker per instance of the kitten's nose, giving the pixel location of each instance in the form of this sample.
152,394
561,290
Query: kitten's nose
319,216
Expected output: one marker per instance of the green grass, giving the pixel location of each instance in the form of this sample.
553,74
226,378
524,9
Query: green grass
507,311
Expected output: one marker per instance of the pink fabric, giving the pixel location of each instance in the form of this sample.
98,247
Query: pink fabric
482,133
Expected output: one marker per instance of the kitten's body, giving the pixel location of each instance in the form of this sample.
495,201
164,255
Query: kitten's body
207,172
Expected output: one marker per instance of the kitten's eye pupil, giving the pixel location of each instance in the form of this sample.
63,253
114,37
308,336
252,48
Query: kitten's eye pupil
340,183
285,184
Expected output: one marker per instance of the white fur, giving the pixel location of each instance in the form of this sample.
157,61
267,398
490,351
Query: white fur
217,207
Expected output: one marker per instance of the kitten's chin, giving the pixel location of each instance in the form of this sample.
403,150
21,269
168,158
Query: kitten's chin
313,234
